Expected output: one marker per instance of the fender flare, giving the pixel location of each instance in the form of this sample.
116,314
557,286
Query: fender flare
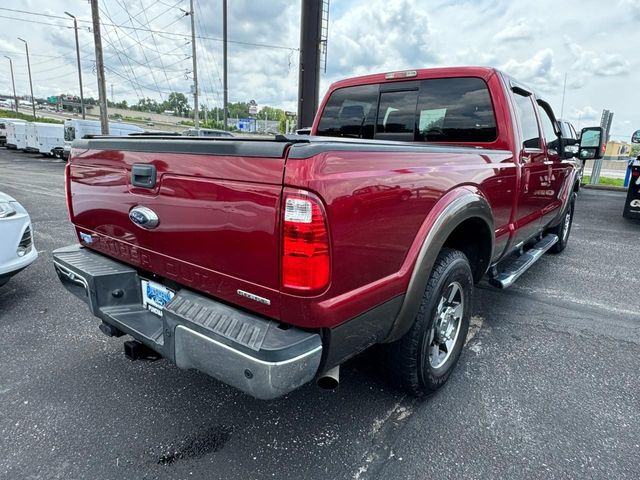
466,205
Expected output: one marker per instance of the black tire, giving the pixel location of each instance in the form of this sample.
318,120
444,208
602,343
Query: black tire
563,229
407,360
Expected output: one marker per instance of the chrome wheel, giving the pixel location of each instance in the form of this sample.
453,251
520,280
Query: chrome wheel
446,325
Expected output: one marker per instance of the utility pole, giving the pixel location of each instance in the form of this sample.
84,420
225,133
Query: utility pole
113,100
309,78
15,97
196,119
102,86
75,27
225,87
33,100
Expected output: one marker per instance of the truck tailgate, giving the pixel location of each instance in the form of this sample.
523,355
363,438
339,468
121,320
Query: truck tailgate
217,204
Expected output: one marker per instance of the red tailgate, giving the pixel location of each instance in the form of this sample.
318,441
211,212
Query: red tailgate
218,211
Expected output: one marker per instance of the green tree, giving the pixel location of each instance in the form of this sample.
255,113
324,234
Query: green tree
178,102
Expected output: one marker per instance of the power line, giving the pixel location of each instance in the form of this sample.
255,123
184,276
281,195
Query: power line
216,39
106,38
208,54
144,53
147,87
155,43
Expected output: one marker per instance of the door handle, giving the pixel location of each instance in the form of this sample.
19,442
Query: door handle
143,175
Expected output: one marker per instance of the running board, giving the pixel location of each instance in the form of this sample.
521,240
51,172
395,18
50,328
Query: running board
516,267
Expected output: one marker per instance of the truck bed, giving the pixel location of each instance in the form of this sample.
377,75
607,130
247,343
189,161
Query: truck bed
219,206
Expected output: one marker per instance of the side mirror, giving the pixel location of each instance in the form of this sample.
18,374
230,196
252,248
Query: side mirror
635,138
591,143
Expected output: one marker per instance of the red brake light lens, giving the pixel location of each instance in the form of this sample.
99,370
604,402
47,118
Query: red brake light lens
305,256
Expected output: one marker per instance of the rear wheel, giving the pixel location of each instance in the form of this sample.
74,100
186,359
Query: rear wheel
563,229
421,361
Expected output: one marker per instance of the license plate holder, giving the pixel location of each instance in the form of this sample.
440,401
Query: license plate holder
155,296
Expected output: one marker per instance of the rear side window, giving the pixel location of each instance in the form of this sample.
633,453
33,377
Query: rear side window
550,137
528,121
455,110
350,112
397,116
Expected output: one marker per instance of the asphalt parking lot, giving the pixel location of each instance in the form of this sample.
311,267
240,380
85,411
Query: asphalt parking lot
547,386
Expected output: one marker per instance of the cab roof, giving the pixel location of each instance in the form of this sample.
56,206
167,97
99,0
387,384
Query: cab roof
421,74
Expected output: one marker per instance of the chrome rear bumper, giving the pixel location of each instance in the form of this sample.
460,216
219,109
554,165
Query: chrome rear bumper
251,353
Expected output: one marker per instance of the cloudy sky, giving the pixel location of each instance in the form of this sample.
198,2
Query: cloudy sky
593,42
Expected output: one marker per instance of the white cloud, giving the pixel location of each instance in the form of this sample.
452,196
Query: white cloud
527,39
631,8
590,62
538,71
522,29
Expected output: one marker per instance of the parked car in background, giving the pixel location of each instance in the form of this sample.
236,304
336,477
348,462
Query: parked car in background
206,132
45,138
75,129
16,238
16,134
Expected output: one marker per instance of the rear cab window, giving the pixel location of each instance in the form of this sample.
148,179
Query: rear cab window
445,110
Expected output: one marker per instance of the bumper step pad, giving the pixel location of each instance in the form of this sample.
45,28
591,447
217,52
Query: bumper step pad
249,352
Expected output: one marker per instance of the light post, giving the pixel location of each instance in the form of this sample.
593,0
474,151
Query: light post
15,98
75,27
33,100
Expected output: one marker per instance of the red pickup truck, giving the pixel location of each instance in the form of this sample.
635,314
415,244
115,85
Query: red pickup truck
266,263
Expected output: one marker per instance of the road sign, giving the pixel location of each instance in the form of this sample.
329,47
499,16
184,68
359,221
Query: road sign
246,124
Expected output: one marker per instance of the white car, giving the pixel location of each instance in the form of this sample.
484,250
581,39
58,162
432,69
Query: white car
16,248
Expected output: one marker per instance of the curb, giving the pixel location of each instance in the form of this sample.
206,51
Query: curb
610,188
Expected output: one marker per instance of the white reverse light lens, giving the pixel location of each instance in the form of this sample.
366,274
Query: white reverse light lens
6,210
297,210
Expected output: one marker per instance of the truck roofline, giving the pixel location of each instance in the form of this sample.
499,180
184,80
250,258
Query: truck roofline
421,74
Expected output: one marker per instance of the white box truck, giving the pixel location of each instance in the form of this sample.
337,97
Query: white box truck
3,129
45,138
16,136
76,128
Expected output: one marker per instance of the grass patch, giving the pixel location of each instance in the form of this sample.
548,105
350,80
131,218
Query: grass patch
611,182
26,118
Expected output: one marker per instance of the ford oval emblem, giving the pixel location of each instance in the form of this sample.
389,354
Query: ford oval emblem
144,217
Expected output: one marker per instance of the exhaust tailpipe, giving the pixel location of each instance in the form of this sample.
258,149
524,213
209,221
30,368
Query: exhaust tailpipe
330,379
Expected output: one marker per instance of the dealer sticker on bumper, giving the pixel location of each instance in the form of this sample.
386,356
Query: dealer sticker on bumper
155,296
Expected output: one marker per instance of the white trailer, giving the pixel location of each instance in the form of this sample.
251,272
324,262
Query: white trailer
45,138
3,129
16,136
76,128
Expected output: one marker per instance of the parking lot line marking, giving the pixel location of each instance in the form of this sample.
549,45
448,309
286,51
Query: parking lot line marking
29,188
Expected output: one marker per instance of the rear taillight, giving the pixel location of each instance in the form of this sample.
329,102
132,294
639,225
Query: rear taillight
306,262
67,189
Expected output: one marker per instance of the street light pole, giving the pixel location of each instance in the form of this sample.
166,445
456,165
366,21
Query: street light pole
225,86
196,116
102,85
75,27
15,97
33,100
